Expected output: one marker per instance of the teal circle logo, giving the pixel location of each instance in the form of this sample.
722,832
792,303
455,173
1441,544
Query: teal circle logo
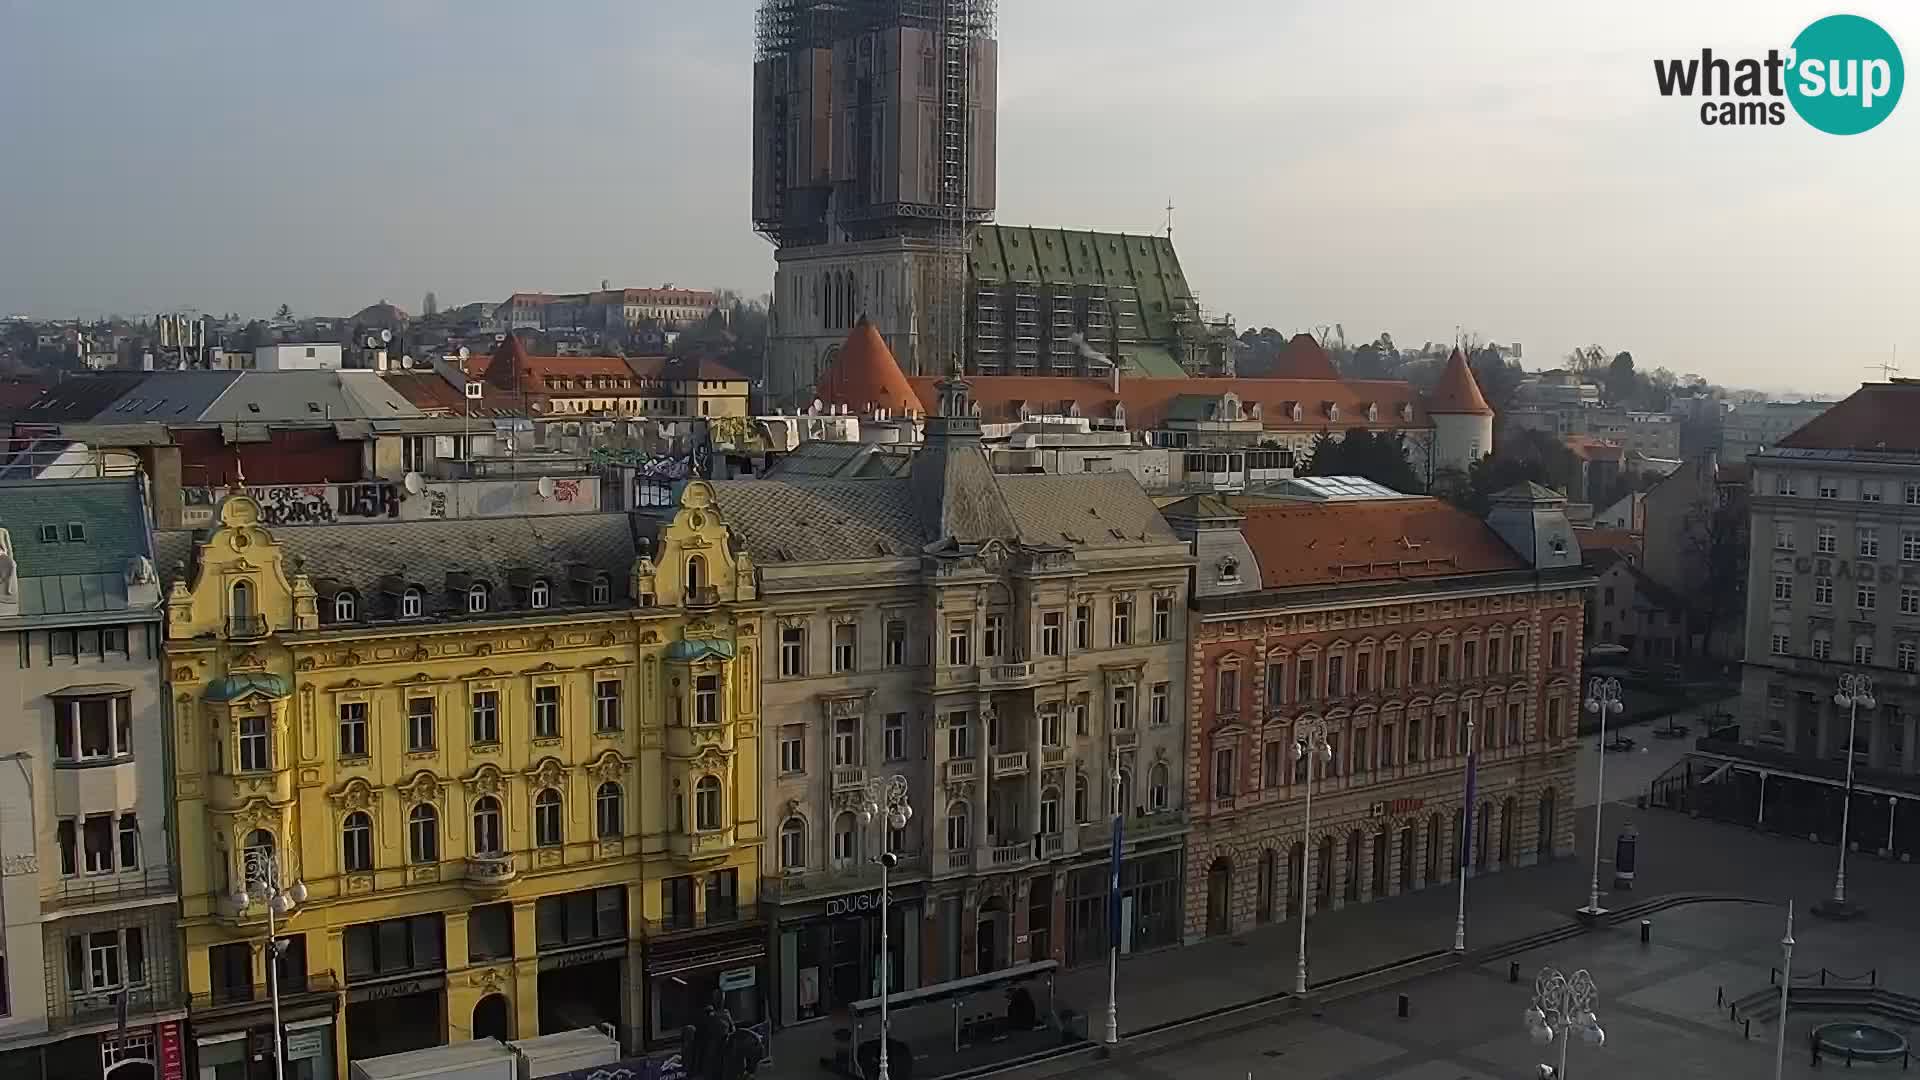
1846,75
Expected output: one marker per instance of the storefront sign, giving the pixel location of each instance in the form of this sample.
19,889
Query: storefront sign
402,988
1397,806
305,1044
173,1054
740,978
582,957
857,904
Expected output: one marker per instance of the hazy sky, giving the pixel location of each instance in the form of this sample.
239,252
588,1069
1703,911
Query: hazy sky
1507,167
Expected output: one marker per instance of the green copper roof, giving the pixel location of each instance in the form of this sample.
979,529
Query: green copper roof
234,687
700,649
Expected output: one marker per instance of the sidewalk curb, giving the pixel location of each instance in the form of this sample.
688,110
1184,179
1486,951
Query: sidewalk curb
1360,982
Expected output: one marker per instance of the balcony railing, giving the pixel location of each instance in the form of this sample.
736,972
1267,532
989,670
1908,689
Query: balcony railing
1126,738
962,769
84,891
1008,673
703,596
1013,764
1053,755
1052,844
796,884
246,626
849,777
227,997
1004,855
491,871
676,921
951,861
160,995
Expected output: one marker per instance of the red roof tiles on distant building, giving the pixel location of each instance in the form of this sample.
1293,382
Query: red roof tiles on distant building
1457,392
1375,540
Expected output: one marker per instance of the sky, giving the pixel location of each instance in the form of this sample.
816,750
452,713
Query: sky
1504,168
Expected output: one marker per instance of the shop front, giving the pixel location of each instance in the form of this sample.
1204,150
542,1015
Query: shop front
829,950
233,1032
396,986
1150,905
581,939
687,971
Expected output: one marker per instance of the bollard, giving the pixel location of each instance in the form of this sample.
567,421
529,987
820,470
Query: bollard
1746,1029
1719,996
1646,931
1403,1006
1513,972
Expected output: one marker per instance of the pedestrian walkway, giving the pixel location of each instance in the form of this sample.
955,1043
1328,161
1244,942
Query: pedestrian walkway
1676,854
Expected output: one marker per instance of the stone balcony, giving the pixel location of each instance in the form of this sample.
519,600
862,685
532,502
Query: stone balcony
1126,738
689,740
1014,674
1008,856
954,862
701,846
960,769
489,875
1010,764
849,778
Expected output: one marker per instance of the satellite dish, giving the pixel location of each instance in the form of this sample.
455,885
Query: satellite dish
546,487
817,406
406,362
413,483
463,352
373,341
386,336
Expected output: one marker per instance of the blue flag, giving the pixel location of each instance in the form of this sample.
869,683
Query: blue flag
1113,886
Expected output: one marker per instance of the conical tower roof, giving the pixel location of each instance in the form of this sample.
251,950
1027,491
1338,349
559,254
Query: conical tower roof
508,367
1303,358
864,375
1457,392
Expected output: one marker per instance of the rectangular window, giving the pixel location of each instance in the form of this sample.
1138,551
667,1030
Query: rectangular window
993,641
1276,683
1909,545
100,728
69,834
1553,717
793,651
1050,733
1912,493
1822,590
1223,773
1227,691
1443,662
490,933
1910,599
1870,491
1303,680
419,724
1866,597
1363,673
1822,646
1122,623
1826,540
1493,656
353,729
959,643
1273,758
706,699
1469,659
1162,617
1513,725
1863,652
1869,543
846,647
1336,676
1158,715
96,834
486,717
1417,666
959,734
606,705
1083,627
129,842
1829,489
793,749
1122,708
1050,632
895,736
1904,657
846,741
1782,644
1082,707
1519,653
1362,749
896,642
1557,648
256,746
1390,670
546,712
1783,536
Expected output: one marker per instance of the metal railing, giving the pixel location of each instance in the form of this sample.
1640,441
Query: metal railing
703,596
490,869
158,996
222,997
82,891
694,920
246,626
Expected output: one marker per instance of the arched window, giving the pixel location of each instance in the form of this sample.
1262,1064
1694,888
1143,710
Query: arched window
256,854
793,844
538,595
706,804
410,603
846,840
957,832
602,591
477,598
1082,806
546,818
1050,811
696,572
423,834
242,600
608,813
1157,787
356,843
1125,801
486,826
344,607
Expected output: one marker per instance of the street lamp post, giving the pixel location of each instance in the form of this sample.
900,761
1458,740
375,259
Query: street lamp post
1563,1004
260,883
885,798
1854,693
1464,843
1786,980
1111,1036
1603,700
1309,745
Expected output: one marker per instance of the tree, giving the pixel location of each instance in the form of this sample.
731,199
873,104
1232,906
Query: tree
284,313
1587,360
1499,378
1716,551
1379,456
1524,456
429,304
1623,385
255,335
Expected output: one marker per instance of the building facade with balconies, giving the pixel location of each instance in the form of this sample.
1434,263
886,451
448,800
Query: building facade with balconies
1010,645
512,761
87,891
1391,620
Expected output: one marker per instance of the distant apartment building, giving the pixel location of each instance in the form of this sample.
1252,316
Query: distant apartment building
607,309
298,356
1748,428
611,385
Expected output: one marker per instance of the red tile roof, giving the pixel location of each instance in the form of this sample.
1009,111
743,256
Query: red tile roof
1303,358
1878,416
1148,401
1621,540
1457,392
864,375
1375,540
1592,449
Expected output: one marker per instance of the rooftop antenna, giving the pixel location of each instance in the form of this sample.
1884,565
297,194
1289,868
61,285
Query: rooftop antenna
1889,367
1169,219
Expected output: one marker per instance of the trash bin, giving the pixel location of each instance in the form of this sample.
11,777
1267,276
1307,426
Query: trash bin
1623,857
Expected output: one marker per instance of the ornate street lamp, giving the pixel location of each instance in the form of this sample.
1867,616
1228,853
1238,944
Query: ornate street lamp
1603,700
1562,1005
1854,693
1309,745
885,798
260,883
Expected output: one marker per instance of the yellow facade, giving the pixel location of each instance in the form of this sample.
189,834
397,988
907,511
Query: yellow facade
655,692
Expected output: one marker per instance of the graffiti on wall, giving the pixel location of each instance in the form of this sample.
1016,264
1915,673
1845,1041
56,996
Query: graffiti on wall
310,504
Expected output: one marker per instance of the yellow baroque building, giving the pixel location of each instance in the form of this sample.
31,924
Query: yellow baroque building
482,777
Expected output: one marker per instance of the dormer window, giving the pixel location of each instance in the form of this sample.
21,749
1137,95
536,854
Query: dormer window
477,599
1229,571
76,532
410,604
602,591
344,606
538,596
